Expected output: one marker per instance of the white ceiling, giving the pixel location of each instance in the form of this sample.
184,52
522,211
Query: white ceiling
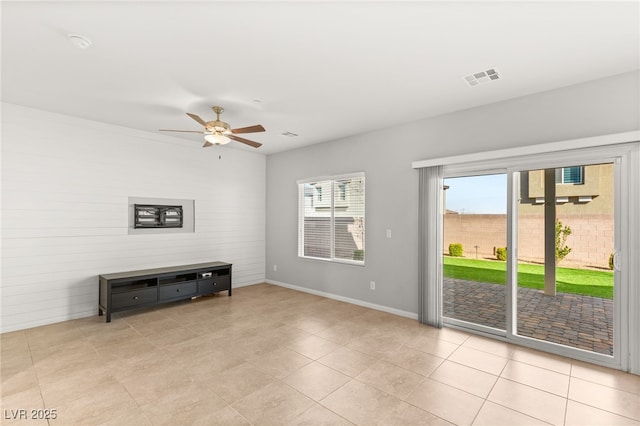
323,70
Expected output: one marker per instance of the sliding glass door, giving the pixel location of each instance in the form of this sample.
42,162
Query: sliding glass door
565,279
474,233
530,252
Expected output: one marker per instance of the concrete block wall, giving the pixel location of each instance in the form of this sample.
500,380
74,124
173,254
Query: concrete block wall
591,239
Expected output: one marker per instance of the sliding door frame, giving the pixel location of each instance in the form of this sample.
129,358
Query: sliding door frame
626,158
462,171
585,157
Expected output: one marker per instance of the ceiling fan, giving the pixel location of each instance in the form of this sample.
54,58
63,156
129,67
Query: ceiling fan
218,132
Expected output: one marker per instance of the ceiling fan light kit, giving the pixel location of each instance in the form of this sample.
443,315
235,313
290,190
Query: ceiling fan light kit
217,139
218,132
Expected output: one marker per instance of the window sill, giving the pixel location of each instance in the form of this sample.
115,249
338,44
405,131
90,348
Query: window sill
340,261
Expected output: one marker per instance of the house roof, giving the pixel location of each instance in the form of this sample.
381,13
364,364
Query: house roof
321,70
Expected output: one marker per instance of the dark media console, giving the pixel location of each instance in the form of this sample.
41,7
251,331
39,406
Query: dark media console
148,287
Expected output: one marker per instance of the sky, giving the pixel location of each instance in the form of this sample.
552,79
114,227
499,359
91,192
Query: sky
477,194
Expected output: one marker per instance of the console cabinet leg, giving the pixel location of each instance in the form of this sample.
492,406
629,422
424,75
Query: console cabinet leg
102,312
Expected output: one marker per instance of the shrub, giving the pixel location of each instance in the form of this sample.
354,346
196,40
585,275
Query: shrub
611,261
501,253
455,249
562,249
358,254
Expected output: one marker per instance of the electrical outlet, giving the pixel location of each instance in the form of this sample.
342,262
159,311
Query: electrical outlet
372,285
275,268
388,233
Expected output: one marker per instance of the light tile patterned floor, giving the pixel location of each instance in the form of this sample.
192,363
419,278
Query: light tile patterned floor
270,356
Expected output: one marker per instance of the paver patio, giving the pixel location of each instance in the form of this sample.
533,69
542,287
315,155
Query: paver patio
578,321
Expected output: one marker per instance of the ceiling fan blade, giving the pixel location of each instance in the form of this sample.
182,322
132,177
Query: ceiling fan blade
207,144
183,131
250,129
198,119
245,141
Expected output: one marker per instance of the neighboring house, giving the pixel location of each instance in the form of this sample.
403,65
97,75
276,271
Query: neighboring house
580,189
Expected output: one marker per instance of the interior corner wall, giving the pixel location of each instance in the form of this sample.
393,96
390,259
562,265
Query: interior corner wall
599,107
66,183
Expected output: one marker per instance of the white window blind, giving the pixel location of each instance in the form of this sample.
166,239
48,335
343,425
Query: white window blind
570,175
331,218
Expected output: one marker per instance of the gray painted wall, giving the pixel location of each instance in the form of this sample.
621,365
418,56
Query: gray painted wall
595,108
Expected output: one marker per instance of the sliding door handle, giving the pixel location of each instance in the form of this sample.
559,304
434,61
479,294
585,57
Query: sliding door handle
616,260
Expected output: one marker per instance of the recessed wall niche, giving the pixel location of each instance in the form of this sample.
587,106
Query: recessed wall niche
186,207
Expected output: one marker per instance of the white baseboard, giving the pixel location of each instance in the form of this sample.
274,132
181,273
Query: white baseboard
375,306
399,312
248,283
47,321
94,312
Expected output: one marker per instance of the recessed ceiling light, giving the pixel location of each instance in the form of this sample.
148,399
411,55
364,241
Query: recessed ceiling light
481,77
291,135
79,41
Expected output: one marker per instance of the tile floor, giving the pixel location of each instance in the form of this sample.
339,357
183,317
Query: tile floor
270,355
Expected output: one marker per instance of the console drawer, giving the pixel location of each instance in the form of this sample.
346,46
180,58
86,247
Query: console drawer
185,289
134,297
212,285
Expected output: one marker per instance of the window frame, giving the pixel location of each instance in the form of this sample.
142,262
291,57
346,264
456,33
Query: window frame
332,209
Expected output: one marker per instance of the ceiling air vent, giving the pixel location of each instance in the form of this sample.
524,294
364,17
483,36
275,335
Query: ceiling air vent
482,77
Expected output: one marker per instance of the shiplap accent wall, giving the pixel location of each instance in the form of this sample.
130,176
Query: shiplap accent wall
66,182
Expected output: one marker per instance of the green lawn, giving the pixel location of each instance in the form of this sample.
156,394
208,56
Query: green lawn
569,280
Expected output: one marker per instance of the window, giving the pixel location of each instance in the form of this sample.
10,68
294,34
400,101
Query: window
570,175
331,224
343,191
